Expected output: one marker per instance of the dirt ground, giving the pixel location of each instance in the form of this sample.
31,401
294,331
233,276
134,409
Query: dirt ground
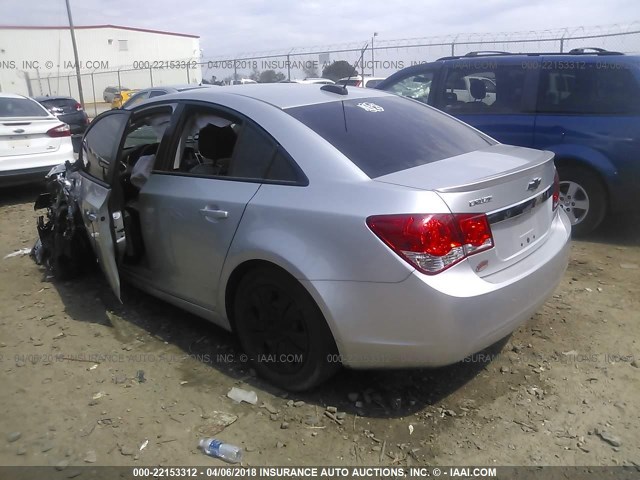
86,380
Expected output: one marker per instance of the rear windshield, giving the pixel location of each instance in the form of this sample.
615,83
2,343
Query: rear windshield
64,103
21,107
384,135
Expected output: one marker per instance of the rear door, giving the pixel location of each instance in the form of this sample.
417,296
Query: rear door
504,108
590,111
191,210
99,156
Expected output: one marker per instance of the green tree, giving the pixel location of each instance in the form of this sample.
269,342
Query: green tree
255,74
270,76
337,70
310,69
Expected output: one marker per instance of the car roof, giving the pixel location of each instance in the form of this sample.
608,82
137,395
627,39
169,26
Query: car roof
10,95
281,95
55,97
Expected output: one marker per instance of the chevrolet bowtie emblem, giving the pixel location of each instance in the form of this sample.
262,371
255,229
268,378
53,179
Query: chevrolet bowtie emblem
534,184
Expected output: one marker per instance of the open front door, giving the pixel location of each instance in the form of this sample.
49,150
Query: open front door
100,211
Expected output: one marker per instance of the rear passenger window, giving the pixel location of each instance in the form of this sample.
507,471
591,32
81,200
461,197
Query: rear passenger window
485,88
594,88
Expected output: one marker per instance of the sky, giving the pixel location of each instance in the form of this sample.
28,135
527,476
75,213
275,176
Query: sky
253,26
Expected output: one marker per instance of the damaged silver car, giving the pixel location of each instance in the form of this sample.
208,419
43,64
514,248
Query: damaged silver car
326,226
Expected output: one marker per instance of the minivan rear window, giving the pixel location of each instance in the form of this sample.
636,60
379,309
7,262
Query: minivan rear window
383,135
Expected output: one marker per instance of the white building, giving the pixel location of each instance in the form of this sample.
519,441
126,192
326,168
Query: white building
39,60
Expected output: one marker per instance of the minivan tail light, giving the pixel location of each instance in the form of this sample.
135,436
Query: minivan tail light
433,242
556,191
78,106
60,131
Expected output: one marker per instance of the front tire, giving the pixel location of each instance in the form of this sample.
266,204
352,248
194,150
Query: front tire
283,331
583,198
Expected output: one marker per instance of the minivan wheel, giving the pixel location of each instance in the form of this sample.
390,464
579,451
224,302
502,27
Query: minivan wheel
282,330
583,198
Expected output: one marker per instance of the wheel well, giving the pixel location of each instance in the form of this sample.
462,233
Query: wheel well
569,162
234,280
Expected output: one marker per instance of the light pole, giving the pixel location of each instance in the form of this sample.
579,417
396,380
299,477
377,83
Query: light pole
75,55
373,62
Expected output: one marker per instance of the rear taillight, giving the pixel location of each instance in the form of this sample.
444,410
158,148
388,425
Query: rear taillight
556,191
78,107
433,242
60,131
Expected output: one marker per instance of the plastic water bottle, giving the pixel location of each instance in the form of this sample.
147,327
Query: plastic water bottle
225,451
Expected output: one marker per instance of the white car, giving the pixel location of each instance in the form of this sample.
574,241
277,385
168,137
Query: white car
32,140
316,81
360,81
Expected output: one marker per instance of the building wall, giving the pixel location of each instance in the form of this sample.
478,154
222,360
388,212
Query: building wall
39,61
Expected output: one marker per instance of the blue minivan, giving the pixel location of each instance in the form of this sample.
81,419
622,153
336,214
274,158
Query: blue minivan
583,105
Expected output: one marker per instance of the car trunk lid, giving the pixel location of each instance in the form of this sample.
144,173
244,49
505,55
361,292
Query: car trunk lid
27,136
511,185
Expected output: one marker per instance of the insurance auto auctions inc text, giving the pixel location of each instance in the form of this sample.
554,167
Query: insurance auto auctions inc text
352,472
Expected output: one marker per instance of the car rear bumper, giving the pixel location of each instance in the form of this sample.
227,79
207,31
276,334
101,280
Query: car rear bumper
25,169
442,319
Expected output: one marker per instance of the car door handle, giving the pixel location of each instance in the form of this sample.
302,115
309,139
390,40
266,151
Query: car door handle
213,213
91,216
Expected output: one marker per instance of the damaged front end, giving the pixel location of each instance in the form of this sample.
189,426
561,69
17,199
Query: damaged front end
63,246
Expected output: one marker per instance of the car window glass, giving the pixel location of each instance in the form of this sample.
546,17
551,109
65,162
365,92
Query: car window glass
219,145
597,88
383,135
137,98
253,155
21,107
416,86
468,89
100,143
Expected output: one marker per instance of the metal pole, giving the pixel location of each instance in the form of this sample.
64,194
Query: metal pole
288,68
49,85
373,61
75,53
119,82
188,79
151,75
561,45
93,89
235,70
453,49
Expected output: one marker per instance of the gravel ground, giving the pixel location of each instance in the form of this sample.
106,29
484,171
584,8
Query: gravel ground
86,380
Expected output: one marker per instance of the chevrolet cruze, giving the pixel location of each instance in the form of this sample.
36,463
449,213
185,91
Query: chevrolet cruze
325,225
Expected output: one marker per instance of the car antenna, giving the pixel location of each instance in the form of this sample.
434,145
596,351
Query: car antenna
342,89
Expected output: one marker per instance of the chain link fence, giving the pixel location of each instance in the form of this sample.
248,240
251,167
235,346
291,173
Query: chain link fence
375,57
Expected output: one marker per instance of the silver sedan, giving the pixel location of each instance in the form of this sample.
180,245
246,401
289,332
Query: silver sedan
325,225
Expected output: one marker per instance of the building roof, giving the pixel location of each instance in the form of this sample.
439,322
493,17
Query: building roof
89,27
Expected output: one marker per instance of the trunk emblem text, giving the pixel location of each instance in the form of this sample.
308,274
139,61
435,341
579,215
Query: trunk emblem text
534,184
480,201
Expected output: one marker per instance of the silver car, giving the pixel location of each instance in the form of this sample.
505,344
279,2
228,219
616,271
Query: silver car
325,226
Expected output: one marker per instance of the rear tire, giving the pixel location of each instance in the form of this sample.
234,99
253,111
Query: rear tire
583,197
283,331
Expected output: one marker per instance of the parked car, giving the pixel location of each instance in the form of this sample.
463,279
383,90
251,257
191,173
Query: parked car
323,226
584,106
110,92
32,140
146,93
120,98
316,81
243,81
360,81
68,110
